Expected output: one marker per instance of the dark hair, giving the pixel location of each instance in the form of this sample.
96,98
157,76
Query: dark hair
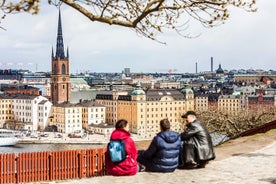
165,124
122,123
188,113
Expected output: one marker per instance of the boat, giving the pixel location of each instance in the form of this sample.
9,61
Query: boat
8,138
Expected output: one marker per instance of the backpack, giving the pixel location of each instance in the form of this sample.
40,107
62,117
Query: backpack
117,150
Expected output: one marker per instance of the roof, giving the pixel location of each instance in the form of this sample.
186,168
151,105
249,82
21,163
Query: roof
157,94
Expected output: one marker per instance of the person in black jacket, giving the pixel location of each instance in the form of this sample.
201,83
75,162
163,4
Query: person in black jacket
162,154
197,148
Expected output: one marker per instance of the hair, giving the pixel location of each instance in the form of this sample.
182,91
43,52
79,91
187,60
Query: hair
122,123
165,124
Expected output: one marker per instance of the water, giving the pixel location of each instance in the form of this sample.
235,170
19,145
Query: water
216,138
47,147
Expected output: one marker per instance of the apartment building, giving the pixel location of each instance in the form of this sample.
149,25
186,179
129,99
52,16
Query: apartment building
33,111
230,104
73,118
260,102
144,109
92,113
66,117
109,100
201,102
44,110
6,111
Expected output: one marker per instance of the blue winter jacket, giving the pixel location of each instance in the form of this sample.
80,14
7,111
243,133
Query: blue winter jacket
163,152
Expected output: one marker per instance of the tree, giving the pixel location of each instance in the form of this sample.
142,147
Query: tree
147,18
232,125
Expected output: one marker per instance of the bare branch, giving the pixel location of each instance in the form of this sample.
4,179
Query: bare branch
147,18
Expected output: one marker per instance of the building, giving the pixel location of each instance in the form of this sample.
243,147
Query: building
6,111
66,117
144,109
92,113
254,78
60,78
21,89
31,112
260,102
201,102
109,99
229,104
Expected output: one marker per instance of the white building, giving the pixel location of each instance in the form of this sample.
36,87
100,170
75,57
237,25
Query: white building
33,111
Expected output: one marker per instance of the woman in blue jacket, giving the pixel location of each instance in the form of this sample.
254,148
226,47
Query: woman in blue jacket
163,153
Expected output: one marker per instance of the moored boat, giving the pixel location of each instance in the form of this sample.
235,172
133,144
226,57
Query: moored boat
8,138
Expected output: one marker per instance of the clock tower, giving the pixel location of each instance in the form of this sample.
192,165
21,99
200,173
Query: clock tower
60,78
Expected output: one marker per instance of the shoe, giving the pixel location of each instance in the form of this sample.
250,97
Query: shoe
142,168
188,166
202,164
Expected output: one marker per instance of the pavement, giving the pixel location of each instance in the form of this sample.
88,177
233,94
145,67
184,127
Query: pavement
257,167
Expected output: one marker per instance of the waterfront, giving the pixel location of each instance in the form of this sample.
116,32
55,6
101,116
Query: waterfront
47,147
51,143
91,141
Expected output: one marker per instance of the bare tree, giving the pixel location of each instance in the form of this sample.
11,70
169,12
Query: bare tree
233,125
146,17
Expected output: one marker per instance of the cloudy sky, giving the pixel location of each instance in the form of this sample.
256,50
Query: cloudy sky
245,41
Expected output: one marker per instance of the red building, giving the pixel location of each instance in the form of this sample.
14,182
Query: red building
22,90
260,102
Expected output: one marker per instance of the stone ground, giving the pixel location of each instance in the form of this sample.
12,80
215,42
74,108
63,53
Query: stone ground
246,160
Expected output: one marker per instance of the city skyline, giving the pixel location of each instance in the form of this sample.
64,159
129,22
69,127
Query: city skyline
241,43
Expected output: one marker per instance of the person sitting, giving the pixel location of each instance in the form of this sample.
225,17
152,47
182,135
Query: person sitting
197,148
129,166
163,152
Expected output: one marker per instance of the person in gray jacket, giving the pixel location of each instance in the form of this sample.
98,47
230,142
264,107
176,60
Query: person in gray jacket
197,148
162,154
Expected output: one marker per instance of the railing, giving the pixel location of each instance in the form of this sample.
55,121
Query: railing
260,129
51,165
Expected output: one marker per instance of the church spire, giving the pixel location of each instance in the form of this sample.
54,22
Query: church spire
60,46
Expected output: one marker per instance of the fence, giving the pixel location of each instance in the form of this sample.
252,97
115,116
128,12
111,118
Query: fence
51,165
260,129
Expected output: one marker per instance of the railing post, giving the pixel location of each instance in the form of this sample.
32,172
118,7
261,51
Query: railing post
50,166
82,163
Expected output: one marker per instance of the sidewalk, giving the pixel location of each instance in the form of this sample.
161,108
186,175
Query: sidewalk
258,167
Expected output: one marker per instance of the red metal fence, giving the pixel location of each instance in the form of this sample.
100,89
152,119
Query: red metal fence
51,165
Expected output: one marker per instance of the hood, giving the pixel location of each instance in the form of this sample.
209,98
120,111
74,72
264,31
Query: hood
119,134
169,136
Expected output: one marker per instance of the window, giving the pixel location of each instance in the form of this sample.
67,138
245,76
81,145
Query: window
63,69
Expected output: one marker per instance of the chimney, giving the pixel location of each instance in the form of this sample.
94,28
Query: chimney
212,64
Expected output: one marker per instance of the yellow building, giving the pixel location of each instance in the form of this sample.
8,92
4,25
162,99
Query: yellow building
201,102
92,113
230,104
67,117
6,111
144,109
109,100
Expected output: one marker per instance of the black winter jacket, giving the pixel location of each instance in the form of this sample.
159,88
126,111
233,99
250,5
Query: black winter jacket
163,152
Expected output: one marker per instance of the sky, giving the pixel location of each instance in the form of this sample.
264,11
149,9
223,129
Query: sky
245,41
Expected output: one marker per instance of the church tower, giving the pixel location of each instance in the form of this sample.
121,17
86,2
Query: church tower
60,78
